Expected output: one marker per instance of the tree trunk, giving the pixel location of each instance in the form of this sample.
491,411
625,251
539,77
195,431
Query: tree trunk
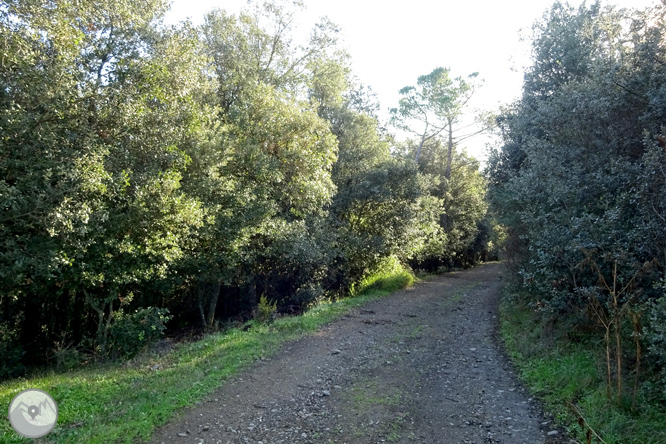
212,303
418,151
101,325
200,304
450,153
253,297
618,339
609,385
636,323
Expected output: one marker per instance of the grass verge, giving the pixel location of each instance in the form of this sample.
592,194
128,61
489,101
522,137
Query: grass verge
561,373
124,404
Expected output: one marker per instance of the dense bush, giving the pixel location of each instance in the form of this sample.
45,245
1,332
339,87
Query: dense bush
579,178
655,334
146,168
265,310
132,332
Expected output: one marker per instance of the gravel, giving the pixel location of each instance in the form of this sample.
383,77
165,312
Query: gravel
422,365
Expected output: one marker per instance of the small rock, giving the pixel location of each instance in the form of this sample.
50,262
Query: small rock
336,351
325,393
205,428
182,434
553,433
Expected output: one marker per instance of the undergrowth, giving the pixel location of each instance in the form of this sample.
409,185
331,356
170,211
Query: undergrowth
389,276
568,375
124,403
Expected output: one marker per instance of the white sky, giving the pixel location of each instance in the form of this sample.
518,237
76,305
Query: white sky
392,43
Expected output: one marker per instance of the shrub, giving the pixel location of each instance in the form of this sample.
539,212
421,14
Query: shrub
308,294
265,310
67,356
655,335
130,333
389,275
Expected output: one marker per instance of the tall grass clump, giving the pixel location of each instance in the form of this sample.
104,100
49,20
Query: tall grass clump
389,276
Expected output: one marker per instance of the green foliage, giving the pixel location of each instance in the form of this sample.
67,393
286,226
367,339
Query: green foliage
579,183
435,105
97,107
103,400
380,205
265,310
455,203
457,206
655,335
560,184
389,276
562,373
132,332
146,168
67,356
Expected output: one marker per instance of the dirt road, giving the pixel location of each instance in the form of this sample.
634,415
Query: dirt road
422,365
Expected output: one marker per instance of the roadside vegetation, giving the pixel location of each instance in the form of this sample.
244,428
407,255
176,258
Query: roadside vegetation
566,370
579,183
124,402
165,179
210,180
217,182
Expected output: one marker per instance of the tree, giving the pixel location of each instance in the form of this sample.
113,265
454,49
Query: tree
97,112
461,207
378,208
579,178
264,174
146,167
437,104
255,47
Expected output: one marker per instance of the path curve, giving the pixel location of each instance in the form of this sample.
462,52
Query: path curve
422,365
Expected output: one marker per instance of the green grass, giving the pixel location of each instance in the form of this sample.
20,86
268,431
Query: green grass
124,404
560,372
389,277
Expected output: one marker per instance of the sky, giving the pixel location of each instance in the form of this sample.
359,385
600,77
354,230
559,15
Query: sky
392,43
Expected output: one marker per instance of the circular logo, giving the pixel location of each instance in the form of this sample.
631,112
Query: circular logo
33,413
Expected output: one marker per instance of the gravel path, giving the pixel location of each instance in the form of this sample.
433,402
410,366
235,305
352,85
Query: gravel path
422,365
